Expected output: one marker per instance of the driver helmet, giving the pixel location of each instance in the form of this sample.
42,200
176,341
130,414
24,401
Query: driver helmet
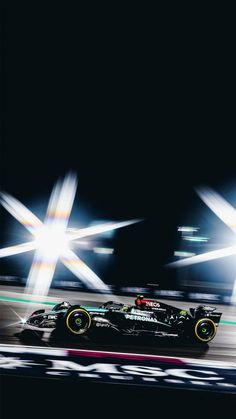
61,306
138,300
65,304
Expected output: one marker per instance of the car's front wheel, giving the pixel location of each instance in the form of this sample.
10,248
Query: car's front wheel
77,321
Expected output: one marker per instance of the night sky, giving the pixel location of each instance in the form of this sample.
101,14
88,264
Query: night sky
142,113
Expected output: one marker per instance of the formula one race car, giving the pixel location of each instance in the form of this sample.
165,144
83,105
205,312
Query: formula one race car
145,317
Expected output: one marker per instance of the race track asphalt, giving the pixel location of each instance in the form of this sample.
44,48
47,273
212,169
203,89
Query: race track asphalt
14,304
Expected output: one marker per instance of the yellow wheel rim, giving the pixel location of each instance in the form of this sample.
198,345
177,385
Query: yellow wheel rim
214,330
80,310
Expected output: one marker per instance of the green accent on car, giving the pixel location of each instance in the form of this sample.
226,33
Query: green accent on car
96,309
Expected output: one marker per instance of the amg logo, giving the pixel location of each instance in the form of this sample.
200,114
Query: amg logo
141,318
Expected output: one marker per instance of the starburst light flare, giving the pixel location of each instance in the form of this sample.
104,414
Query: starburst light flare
53,236
227,213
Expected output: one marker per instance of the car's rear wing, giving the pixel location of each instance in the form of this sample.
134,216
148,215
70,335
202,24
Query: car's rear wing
206,311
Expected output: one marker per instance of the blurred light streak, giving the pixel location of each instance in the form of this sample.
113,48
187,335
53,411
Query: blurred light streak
19,317
75,234
11,324
20,212
53,236
83,243
188,229
195,238
82,271
233,296
20,248
103,250
204,257
20,321
225,211
183,254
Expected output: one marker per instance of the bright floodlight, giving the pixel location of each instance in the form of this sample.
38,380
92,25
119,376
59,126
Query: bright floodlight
227,213
52,238
52,241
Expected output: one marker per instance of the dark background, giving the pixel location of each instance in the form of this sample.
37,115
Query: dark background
142,109
141,104
101,399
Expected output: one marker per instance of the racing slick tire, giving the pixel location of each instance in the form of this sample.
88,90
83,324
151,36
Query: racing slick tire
76,321
204,330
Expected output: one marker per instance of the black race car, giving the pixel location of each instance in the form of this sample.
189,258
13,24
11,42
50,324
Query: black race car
145,317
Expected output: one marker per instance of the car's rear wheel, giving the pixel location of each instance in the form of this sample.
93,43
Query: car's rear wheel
204,330
77,321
